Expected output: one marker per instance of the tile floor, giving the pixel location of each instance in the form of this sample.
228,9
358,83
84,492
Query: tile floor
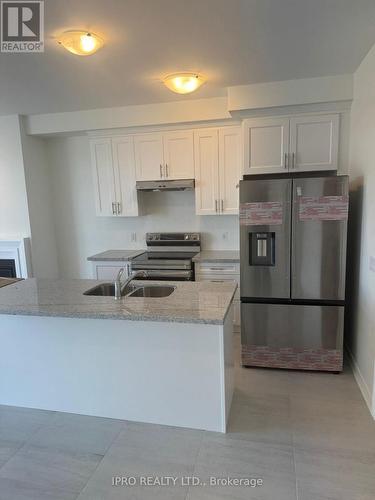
308,436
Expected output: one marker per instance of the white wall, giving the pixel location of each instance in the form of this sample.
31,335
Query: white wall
14,215
79,233
290,92
43,243
195,110
361,288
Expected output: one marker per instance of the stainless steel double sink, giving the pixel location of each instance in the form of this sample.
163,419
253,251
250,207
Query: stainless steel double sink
108,290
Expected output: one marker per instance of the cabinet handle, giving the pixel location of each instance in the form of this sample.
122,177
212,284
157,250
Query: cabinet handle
161,171
222,205
118,208
166,170
114,208
285,160
293,160
216,206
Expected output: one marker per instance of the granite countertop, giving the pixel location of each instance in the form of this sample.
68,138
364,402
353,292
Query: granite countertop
113,255
191,302
217,256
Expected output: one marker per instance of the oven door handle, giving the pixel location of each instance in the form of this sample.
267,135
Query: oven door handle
176,268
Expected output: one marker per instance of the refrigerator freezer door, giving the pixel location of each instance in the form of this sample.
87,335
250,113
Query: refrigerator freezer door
308,337
292,326
319,230
265,227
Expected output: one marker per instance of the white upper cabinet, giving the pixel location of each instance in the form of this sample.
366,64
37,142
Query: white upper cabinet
113,166
206,149
168,155
125,178
149,158
230,166
211,156
282,145
266,142
314,142
179,154
218,161
103,175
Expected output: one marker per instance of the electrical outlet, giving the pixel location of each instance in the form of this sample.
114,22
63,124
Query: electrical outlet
372,263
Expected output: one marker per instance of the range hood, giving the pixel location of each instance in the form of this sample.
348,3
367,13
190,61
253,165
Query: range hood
177,185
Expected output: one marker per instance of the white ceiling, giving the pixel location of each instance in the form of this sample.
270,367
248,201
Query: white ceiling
232,41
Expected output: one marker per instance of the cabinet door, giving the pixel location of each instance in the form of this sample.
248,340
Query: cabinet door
230,166
179,154
149,158
206,172
314,142
125,177
103,174
266,145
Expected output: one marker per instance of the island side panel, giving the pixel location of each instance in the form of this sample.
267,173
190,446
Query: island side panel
164,373
227,370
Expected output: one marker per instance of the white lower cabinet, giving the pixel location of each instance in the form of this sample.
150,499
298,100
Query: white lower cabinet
113,168
219,272
218,162
108,270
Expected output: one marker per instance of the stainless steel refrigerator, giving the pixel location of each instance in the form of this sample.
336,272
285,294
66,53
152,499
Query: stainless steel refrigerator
293,235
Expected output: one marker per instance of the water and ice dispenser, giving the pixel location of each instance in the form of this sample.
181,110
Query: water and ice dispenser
262,249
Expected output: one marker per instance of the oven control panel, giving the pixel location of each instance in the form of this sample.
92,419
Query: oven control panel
173,238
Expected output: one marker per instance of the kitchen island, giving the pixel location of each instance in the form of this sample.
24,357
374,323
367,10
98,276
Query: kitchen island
165,360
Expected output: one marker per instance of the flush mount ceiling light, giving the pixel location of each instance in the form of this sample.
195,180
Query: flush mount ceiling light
81,43
184,83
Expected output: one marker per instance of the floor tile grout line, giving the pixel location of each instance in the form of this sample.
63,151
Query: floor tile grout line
22,444
294,459
204,433
27,440
103,456
291,420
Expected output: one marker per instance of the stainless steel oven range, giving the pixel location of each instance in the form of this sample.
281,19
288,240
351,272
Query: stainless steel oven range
169,256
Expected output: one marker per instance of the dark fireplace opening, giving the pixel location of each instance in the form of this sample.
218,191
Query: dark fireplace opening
7,268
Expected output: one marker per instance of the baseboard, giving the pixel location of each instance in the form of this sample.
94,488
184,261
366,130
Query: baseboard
361,382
